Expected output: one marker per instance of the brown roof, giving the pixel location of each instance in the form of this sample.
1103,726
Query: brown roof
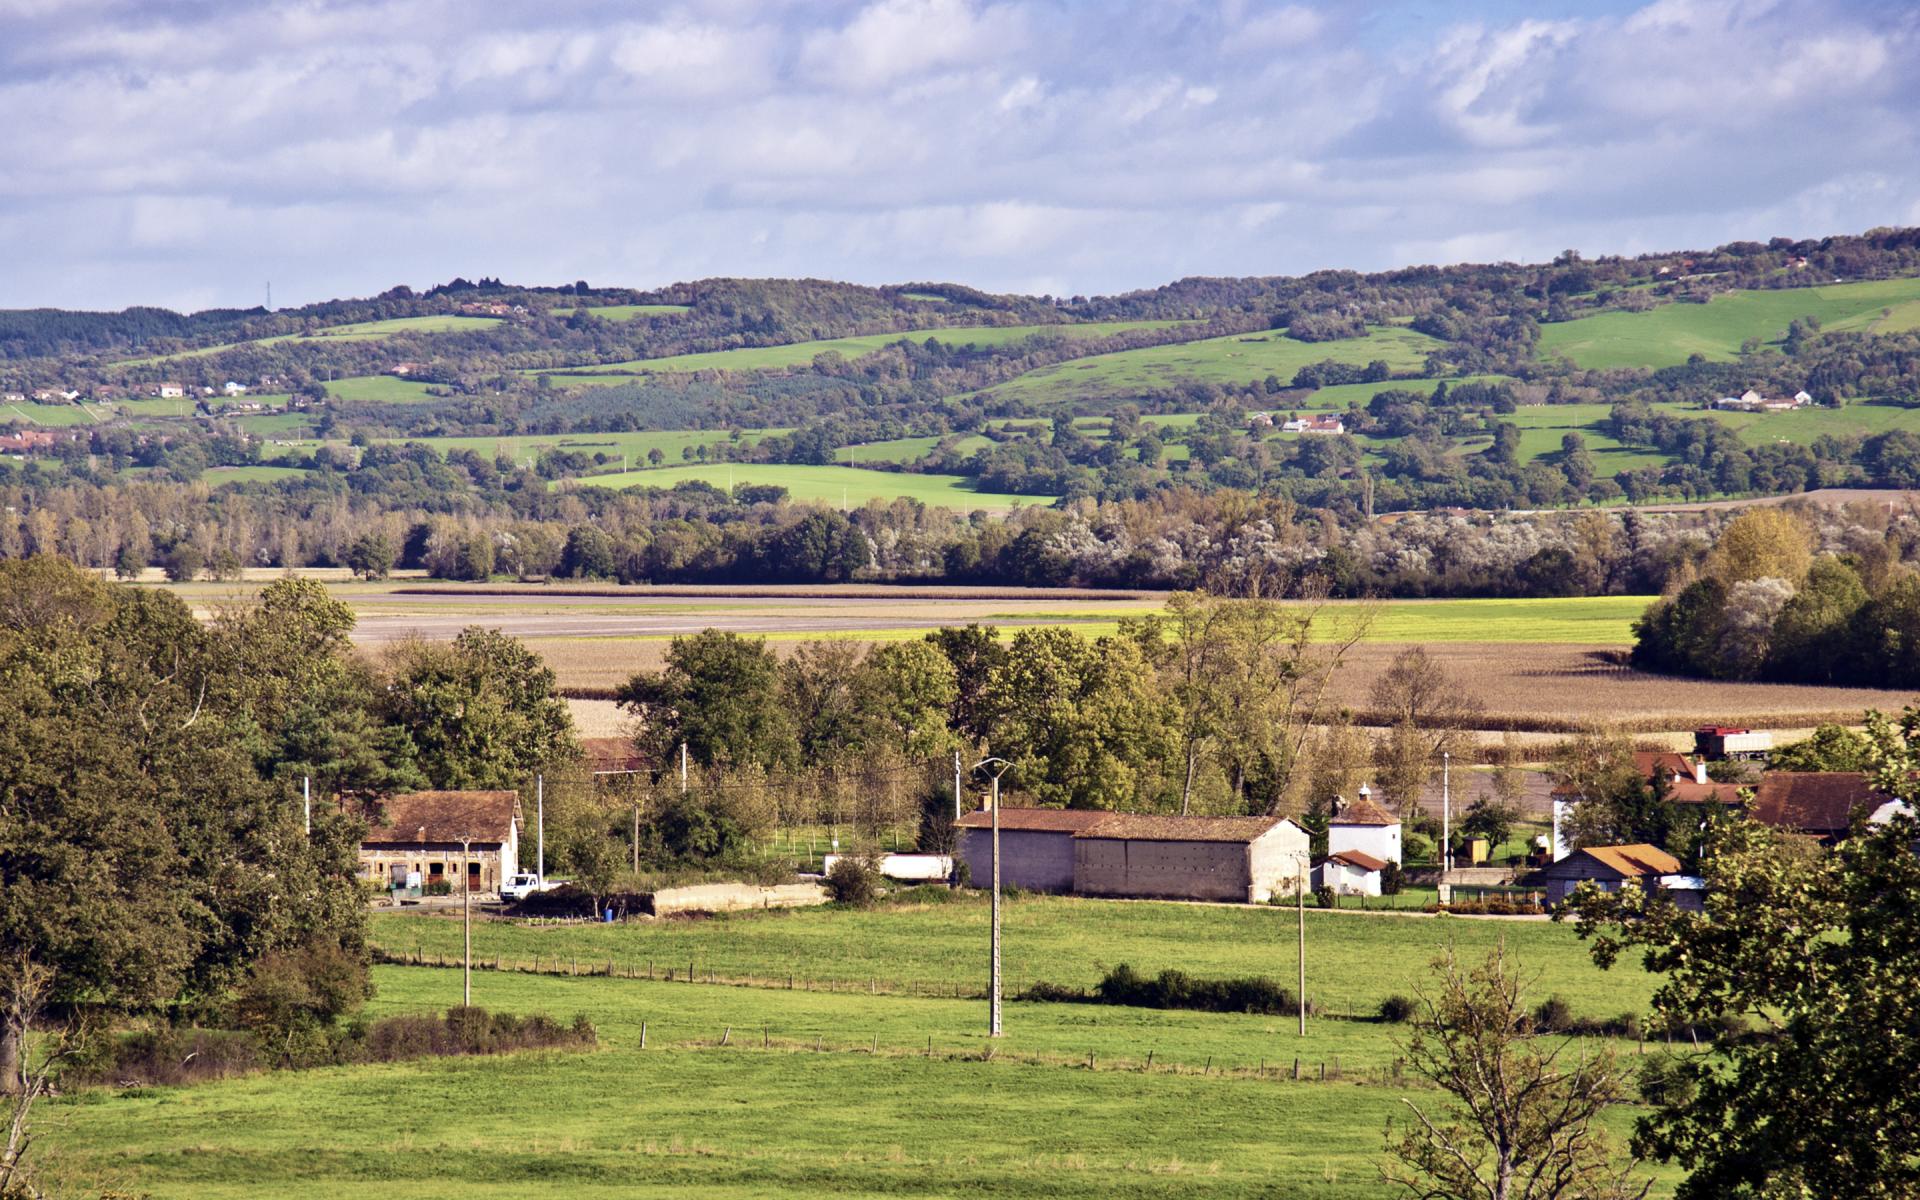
1358,858
416,817
1362,811
1818,802
1143,828
610,754
1689,792
1041,820
1635,860
1650,763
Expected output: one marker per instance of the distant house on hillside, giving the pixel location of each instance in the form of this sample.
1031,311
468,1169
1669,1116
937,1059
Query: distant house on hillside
170,391
611,755
416,840
1752,401
1245,859
27,440
232,388
405,369
1350,873
1363,826
1314,423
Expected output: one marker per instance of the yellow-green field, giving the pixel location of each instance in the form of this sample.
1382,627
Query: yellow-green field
829,485
359,331
626,312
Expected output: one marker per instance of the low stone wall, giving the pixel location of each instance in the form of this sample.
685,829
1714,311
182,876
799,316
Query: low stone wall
1463,876
736,897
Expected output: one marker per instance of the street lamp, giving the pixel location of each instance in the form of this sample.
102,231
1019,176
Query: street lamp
993,981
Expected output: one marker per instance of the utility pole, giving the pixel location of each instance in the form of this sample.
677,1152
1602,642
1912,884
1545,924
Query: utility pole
956,786
306,801
683,768
540,826
636,835
1446,813
466,914
1300,1000
993,979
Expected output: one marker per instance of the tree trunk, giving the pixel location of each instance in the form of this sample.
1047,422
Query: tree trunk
12,1059
1186,793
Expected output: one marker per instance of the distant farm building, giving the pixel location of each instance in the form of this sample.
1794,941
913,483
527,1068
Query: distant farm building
1350,873
1241,859
1315,423
1611,868
232,388
27,441
1752,401
611,755
1362,825
417,840
170,391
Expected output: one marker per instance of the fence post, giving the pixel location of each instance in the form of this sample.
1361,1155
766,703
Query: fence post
1208,1069
1149,1060
1296,1068
726,1035
643,1035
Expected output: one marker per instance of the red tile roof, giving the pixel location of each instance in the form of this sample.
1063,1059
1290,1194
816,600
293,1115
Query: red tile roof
1143,828
1040,820
1689,792
413,818
611,754
1816,802
1357,858
1362,811
1650,763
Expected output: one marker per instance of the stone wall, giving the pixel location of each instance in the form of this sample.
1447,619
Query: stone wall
736,897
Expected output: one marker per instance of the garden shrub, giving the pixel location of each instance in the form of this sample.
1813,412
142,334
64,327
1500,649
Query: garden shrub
1397,1009
854,881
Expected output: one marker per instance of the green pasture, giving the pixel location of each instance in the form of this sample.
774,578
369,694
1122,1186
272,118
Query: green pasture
634,445
276,425
1666,336
626,312
907,449
1355,959
828,485
1235,359
800,354
379,389
215,476
359,331
766,1114
57,416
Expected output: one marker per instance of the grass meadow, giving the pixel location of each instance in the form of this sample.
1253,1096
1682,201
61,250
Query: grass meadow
799,354
1667,335
1235,359
827,485
745,1091
626,312
379,389
359,331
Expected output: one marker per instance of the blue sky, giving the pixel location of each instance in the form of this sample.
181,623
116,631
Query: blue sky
185,153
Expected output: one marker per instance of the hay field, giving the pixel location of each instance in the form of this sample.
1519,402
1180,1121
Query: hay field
1667,335
1235,359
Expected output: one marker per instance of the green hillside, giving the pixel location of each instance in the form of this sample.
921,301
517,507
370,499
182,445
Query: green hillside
1666,336
828,485
1236,359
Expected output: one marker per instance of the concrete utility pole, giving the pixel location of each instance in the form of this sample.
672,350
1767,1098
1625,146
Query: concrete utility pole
306,801
1301,998
956,786
540,826
993,979
683,768
466,914
1446,812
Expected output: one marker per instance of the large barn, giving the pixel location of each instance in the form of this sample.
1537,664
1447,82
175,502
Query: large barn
1242,859
417,841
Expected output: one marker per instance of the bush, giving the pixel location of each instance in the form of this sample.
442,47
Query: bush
1553,1015
437,887
1323,896
1397,1009
1392,879
854,880
1177,989
1665,1081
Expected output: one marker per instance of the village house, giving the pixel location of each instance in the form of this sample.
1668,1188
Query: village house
405,369
13,398
27,440
611,755
416,840
1611,868
1752,401
1241,859
1350,873
170,391
1362,825
232,388
1314,423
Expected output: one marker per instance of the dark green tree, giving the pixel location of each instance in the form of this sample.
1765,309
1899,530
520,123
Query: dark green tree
721,695
481,712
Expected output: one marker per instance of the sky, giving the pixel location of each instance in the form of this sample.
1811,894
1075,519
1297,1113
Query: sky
186,153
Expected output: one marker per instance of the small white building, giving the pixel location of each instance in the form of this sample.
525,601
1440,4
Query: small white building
234,389
1364,826
170,391
1350,873
1314,423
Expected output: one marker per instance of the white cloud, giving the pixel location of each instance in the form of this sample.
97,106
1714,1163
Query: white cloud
160,152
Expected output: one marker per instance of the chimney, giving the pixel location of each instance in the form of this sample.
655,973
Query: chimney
1700,770
986,801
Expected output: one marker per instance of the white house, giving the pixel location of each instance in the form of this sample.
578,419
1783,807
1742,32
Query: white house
1318,423
234,389
1350,873
171,391
1363,826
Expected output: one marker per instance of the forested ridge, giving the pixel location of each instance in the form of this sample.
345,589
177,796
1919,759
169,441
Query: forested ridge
1446,382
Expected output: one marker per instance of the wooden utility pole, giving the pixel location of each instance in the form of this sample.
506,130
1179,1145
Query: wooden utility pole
466,914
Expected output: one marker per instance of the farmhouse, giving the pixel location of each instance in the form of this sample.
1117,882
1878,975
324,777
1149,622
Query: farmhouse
611,755
1244,859
1314,423
169,391
417,840
27,440
1611,868
1820,804
233,388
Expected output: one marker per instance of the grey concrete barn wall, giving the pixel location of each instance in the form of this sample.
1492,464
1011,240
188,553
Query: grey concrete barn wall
1037,860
